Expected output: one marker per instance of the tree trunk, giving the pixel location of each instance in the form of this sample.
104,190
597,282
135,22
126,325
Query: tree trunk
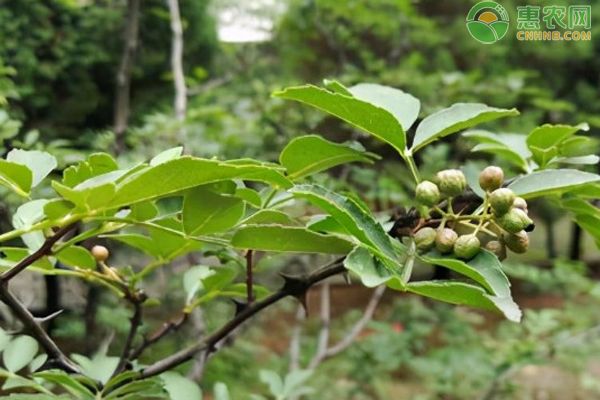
180,101
123,89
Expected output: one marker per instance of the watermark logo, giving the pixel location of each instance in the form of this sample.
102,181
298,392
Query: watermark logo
554,23
487,22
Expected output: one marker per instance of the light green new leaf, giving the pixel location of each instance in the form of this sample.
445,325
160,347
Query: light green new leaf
590,159
294,239
369,269
26,215
456,292
77,256
95,165
548,135
485,269
19,353
364,115
90,198
16,177
183,173
455,118
403,106
39,162
180,387
310,154
166,155
205,211
552,181
356,221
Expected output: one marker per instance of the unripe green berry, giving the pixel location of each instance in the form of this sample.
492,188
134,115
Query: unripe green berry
520,202
501,200
425,238
445,239
452,182
517,242
497,248
491,178
427,193
515,221
467,246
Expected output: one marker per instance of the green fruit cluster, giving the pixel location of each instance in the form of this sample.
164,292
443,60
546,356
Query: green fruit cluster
501,223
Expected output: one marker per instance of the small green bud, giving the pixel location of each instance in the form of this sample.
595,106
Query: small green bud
427,193
491,178
501,200
445,239
466,246
452,182
520,203
517,242
425,239
497,248
515,220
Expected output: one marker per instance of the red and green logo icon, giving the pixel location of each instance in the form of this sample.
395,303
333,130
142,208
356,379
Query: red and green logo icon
487,22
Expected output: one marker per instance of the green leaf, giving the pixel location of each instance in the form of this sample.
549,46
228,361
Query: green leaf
504,152
91,198
19,353
403,106
183,173
250,196
269,216
547,135
356,221
100,367
336,87
590,159
220,391
96,164
27,215
282,238
456,292
58,208
205,211
167,155
180,388
67,382
16,177
455,118
10,256
553,181
325,224
143,211
39,162
485,269
310,154
371,271
140,242
366,116
77,256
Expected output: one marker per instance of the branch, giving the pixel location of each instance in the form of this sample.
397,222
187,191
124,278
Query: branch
57,359
359,326
166,328
295,339
44,250
136,321
323,341
293,286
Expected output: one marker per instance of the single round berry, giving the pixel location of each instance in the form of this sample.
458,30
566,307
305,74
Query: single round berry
445,239
466,247
515,221
425,238
497,248
451,182
100,253
491,178
501,200
517,242
520,202
427,193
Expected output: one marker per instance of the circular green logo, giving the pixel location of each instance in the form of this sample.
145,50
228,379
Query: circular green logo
487,22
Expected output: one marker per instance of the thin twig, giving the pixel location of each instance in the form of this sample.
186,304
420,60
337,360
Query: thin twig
323,341
345,342
295,287
249,277
296,338
170,326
